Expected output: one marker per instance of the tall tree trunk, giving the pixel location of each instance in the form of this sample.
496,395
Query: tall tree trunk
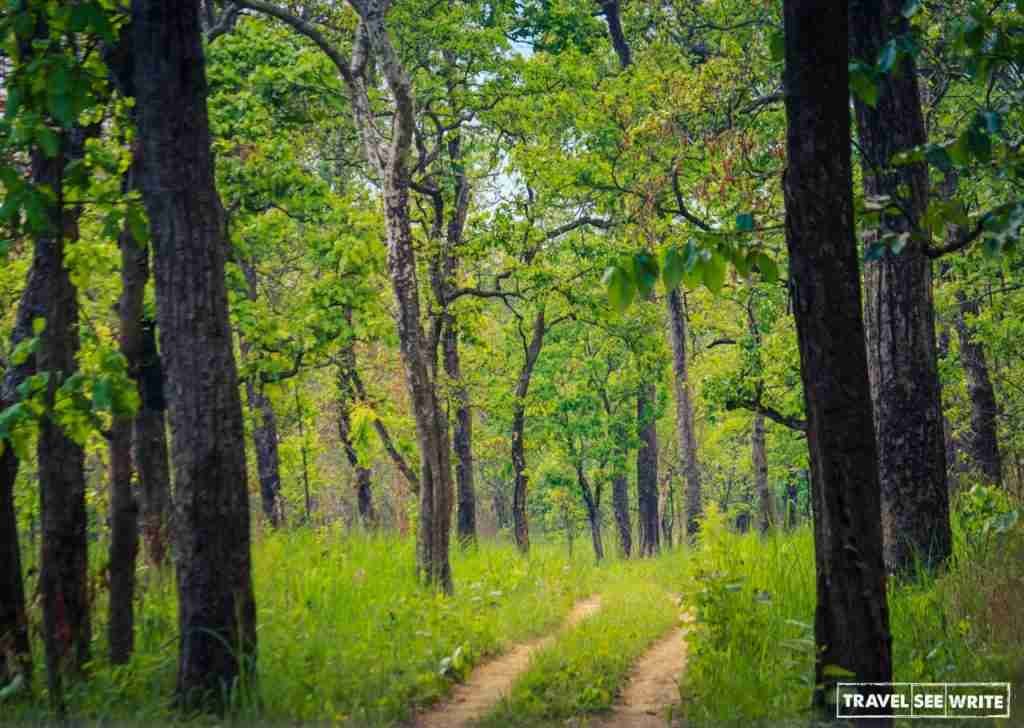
264,431
521,529
765,498
216,608
983,443
462,438
124,509
268,463
647,470
851,623
684,411
348,395
899,312
15,647
149,451
620,504
63,572
592,502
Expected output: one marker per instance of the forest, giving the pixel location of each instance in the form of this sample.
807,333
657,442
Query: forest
509,362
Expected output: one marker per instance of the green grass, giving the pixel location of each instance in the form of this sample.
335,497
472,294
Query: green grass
752,650
345,632
581,671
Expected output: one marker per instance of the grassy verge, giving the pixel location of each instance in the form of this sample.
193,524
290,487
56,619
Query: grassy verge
752,650
345,632
582,670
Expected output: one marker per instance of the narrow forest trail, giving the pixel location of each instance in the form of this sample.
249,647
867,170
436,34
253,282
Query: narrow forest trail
487,684
650,698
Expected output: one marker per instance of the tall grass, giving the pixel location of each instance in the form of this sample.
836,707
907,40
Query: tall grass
752,650
345,631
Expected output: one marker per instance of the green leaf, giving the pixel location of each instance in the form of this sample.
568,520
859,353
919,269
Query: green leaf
863,84
777,46
745,222
38,325
714,272
645,273
887,57
621,288
103,394
979,144
673,267
939,158
767,267
48,140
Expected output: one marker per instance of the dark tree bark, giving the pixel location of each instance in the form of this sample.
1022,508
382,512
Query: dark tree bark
149,451
983,443
15,647
684,412
765,499
899,313
216,609
851,618
63,572
348,395
531,350
124,508
592,502
647,471
264,431
462,439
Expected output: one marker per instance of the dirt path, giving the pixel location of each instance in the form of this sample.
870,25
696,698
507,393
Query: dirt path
653,688
471,700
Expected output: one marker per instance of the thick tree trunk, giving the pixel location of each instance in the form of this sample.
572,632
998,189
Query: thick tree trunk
983,443
521,528
684,412
15,647
216,609
899,312
124,509
63,573
149,451
851,619
765,499
647,471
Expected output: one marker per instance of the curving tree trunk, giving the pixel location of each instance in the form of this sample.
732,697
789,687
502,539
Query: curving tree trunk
900,318
592,502
520,527
684,412
348,395
983,443
216,608
851,625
